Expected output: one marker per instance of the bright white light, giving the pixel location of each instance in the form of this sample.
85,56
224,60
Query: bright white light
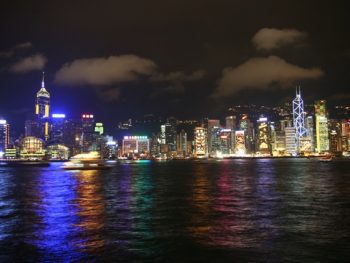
58,115
3,122
219,154
241,152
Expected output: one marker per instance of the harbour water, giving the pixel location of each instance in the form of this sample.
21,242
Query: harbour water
263,210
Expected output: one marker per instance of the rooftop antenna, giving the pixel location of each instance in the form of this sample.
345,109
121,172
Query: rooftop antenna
43,80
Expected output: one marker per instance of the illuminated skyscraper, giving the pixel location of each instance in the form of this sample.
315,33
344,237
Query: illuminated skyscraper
309,125
248,127
57,128
335,133
4,136
73,132
290,134
230,122
213,136
264,138
322,139
88,132
200,142
42,110
240,148
345,133
298,118
168,135
182,144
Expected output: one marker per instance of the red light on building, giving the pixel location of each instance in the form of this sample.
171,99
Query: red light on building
87,116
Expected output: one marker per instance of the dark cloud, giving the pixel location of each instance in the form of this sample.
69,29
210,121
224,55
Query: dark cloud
340,96
178,76
347,53
260,73
34,62
11,51
272,38
104,71
174,82
24,45
109,94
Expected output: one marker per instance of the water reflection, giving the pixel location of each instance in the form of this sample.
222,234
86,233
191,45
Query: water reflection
7,206
268,210
142,209
200,226
118,194
267,203
90,203
311,195
55,227
129,217
233,207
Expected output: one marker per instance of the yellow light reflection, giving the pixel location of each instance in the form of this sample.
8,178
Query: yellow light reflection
200,222
91,209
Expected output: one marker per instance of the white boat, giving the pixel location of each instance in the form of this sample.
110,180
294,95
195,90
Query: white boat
86,161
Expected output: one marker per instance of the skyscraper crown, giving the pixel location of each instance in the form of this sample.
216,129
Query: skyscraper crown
43,92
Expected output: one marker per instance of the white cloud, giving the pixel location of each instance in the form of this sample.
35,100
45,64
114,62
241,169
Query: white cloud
260,73
272,38
104,71
34,62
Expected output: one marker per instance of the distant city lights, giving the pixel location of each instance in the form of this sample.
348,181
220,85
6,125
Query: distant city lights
262,119
135,137
87,116
58,115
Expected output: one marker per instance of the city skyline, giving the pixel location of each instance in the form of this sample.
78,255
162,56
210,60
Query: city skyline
199,55
248,131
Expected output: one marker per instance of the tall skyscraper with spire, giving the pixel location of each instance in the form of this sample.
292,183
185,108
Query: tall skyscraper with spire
42,109
42,106
298,118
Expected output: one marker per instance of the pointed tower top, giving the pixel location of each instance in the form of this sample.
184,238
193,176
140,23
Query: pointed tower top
43,92
43,80
298,91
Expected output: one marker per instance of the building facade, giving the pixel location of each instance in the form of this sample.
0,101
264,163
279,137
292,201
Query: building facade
321,120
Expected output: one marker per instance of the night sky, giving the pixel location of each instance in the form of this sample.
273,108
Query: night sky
188,59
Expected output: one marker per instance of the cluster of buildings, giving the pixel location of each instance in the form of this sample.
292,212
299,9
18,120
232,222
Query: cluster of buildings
293,131
250,132
53,136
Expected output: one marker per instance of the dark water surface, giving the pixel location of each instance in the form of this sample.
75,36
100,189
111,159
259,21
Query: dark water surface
290,210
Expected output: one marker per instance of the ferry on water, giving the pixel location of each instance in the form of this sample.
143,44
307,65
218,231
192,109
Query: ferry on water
86,161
